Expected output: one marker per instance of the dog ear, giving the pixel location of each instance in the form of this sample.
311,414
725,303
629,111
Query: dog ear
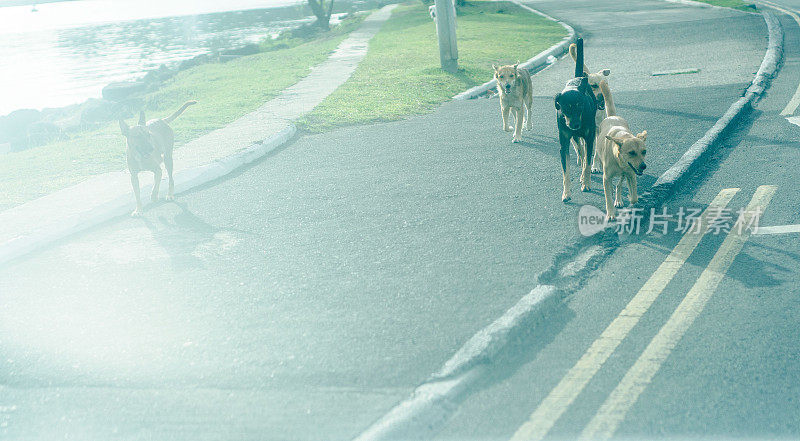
495,68
616,141
606,72
558,95
141,118
642,136
515,66
123,127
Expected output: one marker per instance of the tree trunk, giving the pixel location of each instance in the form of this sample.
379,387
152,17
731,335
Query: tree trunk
323,15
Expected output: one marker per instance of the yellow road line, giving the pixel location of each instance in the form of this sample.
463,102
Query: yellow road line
613,411
560,398
791,106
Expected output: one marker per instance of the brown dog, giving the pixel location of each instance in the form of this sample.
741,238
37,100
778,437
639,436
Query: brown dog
516,93
149,145
622,154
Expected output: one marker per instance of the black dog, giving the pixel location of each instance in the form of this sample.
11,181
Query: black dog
575,111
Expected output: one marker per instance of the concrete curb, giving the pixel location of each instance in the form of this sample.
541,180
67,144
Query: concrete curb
184,180
535,64
253,136
427,409
707,5
673,177
431,403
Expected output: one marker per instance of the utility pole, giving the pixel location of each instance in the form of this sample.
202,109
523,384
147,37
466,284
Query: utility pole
446,30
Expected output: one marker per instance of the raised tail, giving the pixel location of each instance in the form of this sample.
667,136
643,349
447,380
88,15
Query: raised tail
573,52
610,109
172,117
579,58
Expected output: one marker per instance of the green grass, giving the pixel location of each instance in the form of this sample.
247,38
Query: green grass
224,92
401,75
735,4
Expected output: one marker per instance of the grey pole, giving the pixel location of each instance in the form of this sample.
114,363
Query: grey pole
446,30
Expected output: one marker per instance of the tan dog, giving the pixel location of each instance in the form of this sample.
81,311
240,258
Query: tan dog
148,146
594,81
516,93
622,154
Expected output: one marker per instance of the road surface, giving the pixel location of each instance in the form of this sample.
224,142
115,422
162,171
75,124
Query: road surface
307,295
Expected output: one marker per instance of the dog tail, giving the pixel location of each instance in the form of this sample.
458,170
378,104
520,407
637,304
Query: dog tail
579,59
610,109
178,113
573,52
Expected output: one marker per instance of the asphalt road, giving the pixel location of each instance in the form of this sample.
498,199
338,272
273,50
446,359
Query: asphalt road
307,295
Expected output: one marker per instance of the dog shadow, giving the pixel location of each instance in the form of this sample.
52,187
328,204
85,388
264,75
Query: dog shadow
181,234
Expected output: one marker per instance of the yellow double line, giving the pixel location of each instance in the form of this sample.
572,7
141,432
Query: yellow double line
613,411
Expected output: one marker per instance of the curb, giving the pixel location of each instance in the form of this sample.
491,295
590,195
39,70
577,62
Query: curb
432,402
275,130
535,64
185,180
427,409
707,5
671,179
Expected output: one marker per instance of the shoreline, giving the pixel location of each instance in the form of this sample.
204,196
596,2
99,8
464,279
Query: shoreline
13,3
29,127
282,19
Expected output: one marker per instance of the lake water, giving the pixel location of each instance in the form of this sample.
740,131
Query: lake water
66,52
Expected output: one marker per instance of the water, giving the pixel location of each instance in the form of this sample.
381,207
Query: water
66,52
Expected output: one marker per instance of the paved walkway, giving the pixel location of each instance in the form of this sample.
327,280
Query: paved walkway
102,197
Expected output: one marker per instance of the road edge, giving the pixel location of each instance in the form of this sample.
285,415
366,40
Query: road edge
535,64
420,415
673,177
707,5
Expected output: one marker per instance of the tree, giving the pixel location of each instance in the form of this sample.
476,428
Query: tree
322,11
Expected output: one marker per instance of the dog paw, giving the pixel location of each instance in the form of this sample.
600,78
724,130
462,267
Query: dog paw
508,128
136,213
618,204
611,217
585,188
634,201
596,169
169,197
516,139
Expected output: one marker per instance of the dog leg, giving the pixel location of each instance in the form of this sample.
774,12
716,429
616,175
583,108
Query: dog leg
505,110
586,173
135,185
618,194
517,125
156,184
576,145
529,110
611,212
567,194
596,157
633,194
168,166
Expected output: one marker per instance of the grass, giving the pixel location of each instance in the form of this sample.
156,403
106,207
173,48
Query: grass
401,76
224,92
734,4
